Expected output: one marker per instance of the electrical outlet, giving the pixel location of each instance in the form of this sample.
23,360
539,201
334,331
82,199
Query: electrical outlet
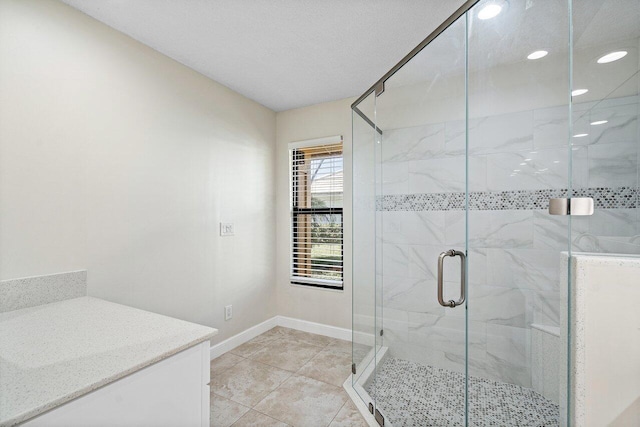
228,312
226,229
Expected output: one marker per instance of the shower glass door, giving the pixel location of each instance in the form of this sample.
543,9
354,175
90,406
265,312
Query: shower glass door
422,176
457,263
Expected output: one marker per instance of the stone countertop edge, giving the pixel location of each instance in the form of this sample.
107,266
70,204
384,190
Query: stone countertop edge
19,418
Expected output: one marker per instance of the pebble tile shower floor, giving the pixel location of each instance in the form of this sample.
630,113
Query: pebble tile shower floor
414,395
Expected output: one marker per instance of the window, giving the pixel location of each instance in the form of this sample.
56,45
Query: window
316,213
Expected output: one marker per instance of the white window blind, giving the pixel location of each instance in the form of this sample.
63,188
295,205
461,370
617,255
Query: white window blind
316,213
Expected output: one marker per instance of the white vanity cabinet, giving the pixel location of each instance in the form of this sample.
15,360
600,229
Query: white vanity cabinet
172,392
90,362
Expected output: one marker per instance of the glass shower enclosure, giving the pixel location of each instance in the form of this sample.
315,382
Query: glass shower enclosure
462,287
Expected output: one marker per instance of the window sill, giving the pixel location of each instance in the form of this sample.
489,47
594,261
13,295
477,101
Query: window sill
316,286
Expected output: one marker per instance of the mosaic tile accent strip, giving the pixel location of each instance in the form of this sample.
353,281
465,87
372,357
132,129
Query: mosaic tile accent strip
414,395
605,198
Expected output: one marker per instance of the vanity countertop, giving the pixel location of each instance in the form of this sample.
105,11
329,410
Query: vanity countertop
53,353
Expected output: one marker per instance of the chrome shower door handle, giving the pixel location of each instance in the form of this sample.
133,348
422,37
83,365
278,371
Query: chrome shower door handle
463,278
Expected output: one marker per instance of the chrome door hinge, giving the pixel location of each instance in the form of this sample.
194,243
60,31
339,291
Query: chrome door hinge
381,332
379,418
574,206
353,368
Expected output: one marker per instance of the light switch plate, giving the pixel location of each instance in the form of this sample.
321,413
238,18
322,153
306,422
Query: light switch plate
227,229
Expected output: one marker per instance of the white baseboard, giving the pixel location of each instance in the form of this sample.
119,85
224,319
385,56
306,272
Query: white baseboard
314,328
286,322
241,338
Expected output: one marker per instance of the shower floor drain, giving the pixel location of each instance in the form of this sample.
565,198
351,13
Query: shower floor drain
414,395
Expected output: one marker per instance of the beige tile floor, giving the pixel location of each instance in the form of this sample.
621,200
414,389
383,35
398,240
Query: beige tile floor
284,378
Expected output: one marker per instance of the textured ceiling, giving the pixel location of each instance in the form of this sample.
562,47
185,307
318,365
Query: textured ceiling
281,53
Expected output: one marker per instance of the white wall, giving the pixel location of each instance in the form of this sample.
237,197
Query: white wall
317,305
117,159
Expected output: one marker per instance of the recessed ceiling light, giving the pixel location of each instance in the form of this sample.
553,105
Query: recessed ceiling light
527,160
599,122
522,164
579,92
613,56
489,11
556,161
580,135
516,170
537,54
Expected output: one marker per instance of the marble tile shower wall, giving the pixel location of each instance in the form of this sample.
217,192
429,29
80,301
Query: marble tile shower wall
514,249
